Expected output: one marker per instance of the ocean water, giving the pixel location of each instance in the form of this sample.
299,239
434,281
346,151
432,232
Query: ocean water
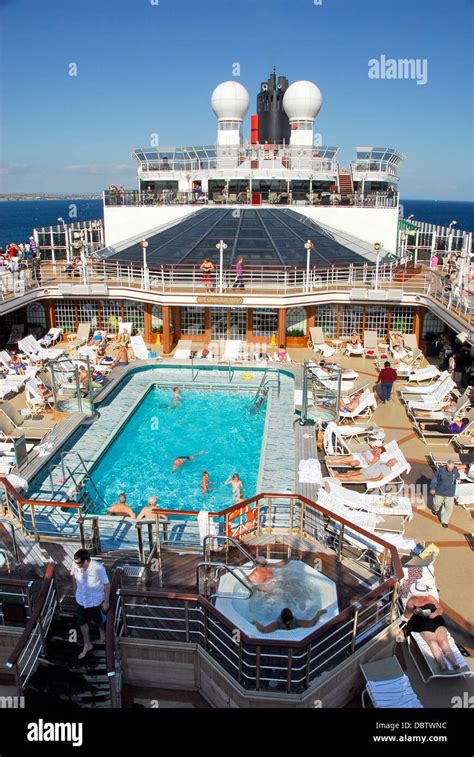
18,218
441,212
139,461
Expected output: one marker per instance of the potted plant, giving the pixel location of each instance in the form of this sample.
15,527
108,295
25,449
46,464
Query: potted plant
296,338
158,330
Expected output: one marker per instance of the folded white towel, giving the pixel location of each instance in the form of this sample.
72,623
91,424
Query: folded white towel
309,471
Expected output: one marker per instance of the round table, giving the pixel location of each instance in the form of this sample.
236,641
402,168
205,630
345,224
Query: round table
337,344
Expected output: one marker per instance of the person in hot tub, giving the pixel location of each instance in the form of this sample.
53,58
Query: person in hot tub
264,572
288,622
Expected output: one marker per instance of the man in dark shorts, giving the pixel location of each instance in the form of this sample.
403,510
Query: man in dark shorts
91,589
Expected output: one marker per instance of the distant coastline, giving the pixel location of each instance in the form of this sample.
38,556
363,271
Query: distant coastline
17,197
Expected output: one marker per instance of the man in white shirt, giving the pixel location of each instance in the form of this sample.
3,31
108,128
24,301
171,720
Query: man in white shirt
91,589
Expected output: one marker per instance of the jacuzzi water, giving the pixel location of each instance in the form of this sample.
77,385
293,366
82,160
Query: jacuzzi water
295,585
140,459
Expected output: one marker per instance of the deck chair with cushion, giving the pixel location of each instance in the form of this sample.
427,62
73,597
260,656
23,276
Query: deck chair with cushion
8,388
441,377
13,424
394,477
31,347
82,335
318,341
410,342
231,350
366,406
371,344
54,335
16,333
354,349
426,664
433,401
125,328
387,685
435,416
432,436
33,397
464,496
372,503
344,440
183,350
5,359
139,348
427,373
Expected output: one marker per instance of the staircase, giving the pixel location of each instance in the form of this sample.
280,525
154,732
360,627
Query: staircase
66,681
346,186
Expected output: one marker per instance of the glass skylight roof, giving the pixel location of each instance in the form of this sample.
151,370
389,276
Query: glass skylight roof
261,236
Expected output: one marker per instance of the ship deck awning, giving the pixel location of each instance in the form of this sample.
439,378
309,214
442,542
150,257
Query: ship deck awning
261,236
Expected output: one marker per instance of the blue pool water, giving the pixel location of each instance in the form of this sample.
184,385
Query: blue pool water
140,459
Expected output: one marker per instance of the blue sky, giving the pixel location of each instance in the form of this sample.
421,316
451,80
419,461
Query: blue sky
144,68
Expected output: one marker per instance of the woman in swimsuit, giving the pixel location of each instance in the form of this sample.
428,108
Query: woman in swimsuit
207,269
425,617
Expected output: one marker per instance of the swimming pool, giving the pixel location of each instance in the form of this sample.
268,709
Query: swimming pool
140,458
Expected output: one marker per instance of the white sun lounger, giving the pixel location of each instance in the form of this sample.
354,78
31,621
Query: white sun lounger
432,400
16,333
426,389
367,404
371,503
392,451
183,350
7,388
139,348
31,347
53,336
422,374
352,349
232,350
82,336
5,358
465,496
432,669
318,341
387,685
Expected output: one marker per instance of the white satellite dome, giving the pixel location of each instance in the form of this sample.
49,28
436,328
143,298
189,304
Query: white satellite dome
230,100
302,99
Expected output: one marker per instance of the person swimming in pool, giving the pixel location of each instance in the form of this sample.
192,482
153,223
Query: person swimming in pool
182,459
206,485
177,397
288,622
237,486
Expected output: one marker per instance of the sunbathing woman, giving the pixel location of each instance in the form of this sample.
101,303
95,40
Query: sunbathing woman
425,617
354,341
322,366
361,459
351,403
373,472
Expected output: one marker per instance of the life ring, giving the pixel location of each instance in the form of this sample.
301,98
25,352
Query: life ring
247,376
243,528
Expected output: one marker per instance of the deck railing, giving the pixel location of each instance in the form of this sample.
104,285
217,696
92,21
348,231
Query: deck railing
16,601
32,642
32,515
113,630
262,664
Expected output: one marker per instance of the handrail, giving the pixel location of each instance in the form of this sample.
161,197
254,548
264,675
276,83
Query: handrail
8,522
110,638
226,538
230,570
48,578
313,505
300,643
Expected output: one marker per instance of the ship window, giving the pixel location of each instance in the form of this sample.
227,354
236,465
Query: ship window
326,318
376,319
431,325
351,319
402,320
192,320
36,315
156,318
265,321
296,321
133,313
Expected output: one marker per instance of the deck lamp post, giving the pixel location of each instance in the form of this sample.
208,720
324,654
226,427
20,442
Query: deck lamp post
221,246
144,245
378,247
66,239
309,245
450,235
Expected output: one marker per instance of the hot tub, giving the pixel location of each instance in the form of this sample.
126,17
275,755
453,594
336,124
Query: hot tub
296,585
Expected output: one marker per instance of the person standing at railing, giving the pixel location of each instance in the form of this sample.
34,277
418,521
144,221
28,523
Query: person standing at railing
91,590
239,275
